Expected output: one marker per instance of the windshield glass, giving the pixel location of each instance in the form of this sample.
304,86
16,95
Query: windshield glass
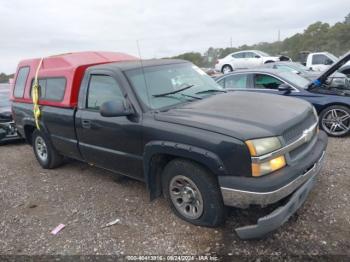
262,53
295,79
300,67
4,96
161,86
333,57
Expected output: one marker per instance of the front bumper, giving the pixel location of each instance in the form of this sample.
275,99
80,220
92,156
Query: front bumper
299,178
244,191
278,217
241,198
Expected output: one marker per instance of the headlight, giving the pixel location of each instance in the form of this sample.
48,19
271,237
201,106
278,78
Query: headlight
258,147
268,166
262,146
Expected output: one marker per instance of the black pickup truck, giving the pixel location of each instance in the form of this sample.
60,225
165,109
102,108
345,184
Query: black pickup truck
167,123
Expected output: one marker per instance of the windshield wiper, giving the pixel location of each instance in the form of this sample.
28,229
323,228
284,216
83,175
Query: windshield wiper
211,91
174,92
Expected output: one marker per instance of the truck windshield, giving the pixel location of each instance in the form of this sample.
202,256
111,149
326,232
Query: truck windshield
165,86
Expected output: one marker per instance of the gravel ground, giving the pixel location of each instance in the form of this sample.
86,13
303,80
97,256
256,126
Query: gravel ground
85,199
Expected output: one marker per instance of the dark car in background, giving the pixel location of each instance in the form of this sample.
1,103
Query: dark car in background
8,130
332,103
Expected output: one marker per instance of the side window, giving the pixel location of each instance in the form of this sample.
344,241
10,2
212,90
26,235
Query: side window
250,55
102,88
236,81
319,59
55,88
266,82
21,82
239,55
51,89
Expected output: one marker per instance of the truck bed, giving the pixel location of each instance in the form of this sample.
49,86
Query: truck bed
59,125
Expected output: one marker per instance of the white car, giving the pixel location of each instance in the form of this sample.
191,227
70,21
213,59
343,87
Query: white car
246,59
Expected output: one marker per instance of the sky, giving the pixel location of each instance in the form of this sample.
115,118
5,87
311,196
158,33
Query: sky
163,28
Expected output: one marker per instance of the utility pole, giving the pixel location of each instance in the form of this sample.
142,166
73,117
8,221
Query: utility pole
231,41
279,35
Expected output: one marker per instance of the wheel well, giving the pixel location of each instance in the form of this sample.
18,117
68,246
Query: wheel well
28,132
333,104
226,65
157,165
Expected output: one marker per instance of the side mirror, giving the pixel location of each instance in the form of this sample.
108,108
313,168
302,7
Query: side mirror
285,88
295,72
115,108
257,56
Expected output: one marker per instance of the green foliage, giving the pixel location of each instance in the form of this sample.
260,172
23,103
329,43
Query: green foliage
316,37
5,78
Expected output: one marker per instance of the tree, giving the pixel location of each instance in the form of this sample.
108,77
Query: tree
347,19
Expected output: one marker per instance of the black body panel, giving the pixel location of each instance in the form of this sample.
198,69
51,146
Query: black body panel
211,131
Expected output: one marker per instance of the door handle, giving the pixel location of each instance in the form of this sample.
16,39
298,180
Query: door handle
86,124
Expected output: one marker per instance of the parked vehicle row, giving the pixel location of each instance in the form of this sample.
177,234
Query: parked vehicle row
332,102
168,124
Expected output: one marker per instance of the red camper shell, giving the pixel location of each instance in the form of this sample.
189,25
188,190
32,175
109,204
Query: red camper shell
69,66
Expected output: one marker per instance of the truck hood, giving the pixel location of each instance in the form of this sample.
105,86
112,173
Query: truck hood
242,115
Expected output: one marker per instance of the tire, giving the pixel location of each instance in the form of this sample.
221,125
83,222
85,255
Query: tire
335,120
180,175
45,153
226,69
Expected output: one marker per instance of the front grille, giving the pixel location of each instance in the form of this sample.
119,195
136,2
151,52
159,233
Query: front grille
299,150
294,132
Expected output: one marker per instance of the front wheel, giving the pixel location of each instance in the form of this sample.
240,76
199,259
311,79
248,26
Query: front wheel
193,193
45,153
335,120
226,69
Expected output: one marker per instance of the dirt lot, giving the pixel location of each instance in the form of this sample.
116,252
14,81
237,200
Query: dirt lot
85,199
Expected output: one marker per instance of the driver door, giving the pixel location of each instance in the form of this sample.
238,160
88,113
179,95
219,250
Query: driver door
113,143
267,84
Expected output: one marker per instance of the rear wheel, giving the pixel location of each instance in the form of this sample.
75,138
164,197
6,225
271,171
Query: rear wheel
226,69
45,153
193,193
335,120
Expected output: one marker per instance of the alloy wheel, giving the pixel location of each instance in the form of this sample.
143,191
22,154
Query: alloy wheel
336,122
41,148
226,69
186,197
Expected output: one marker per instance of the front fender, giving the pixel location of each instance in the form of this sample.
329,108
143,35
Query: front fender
202,156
